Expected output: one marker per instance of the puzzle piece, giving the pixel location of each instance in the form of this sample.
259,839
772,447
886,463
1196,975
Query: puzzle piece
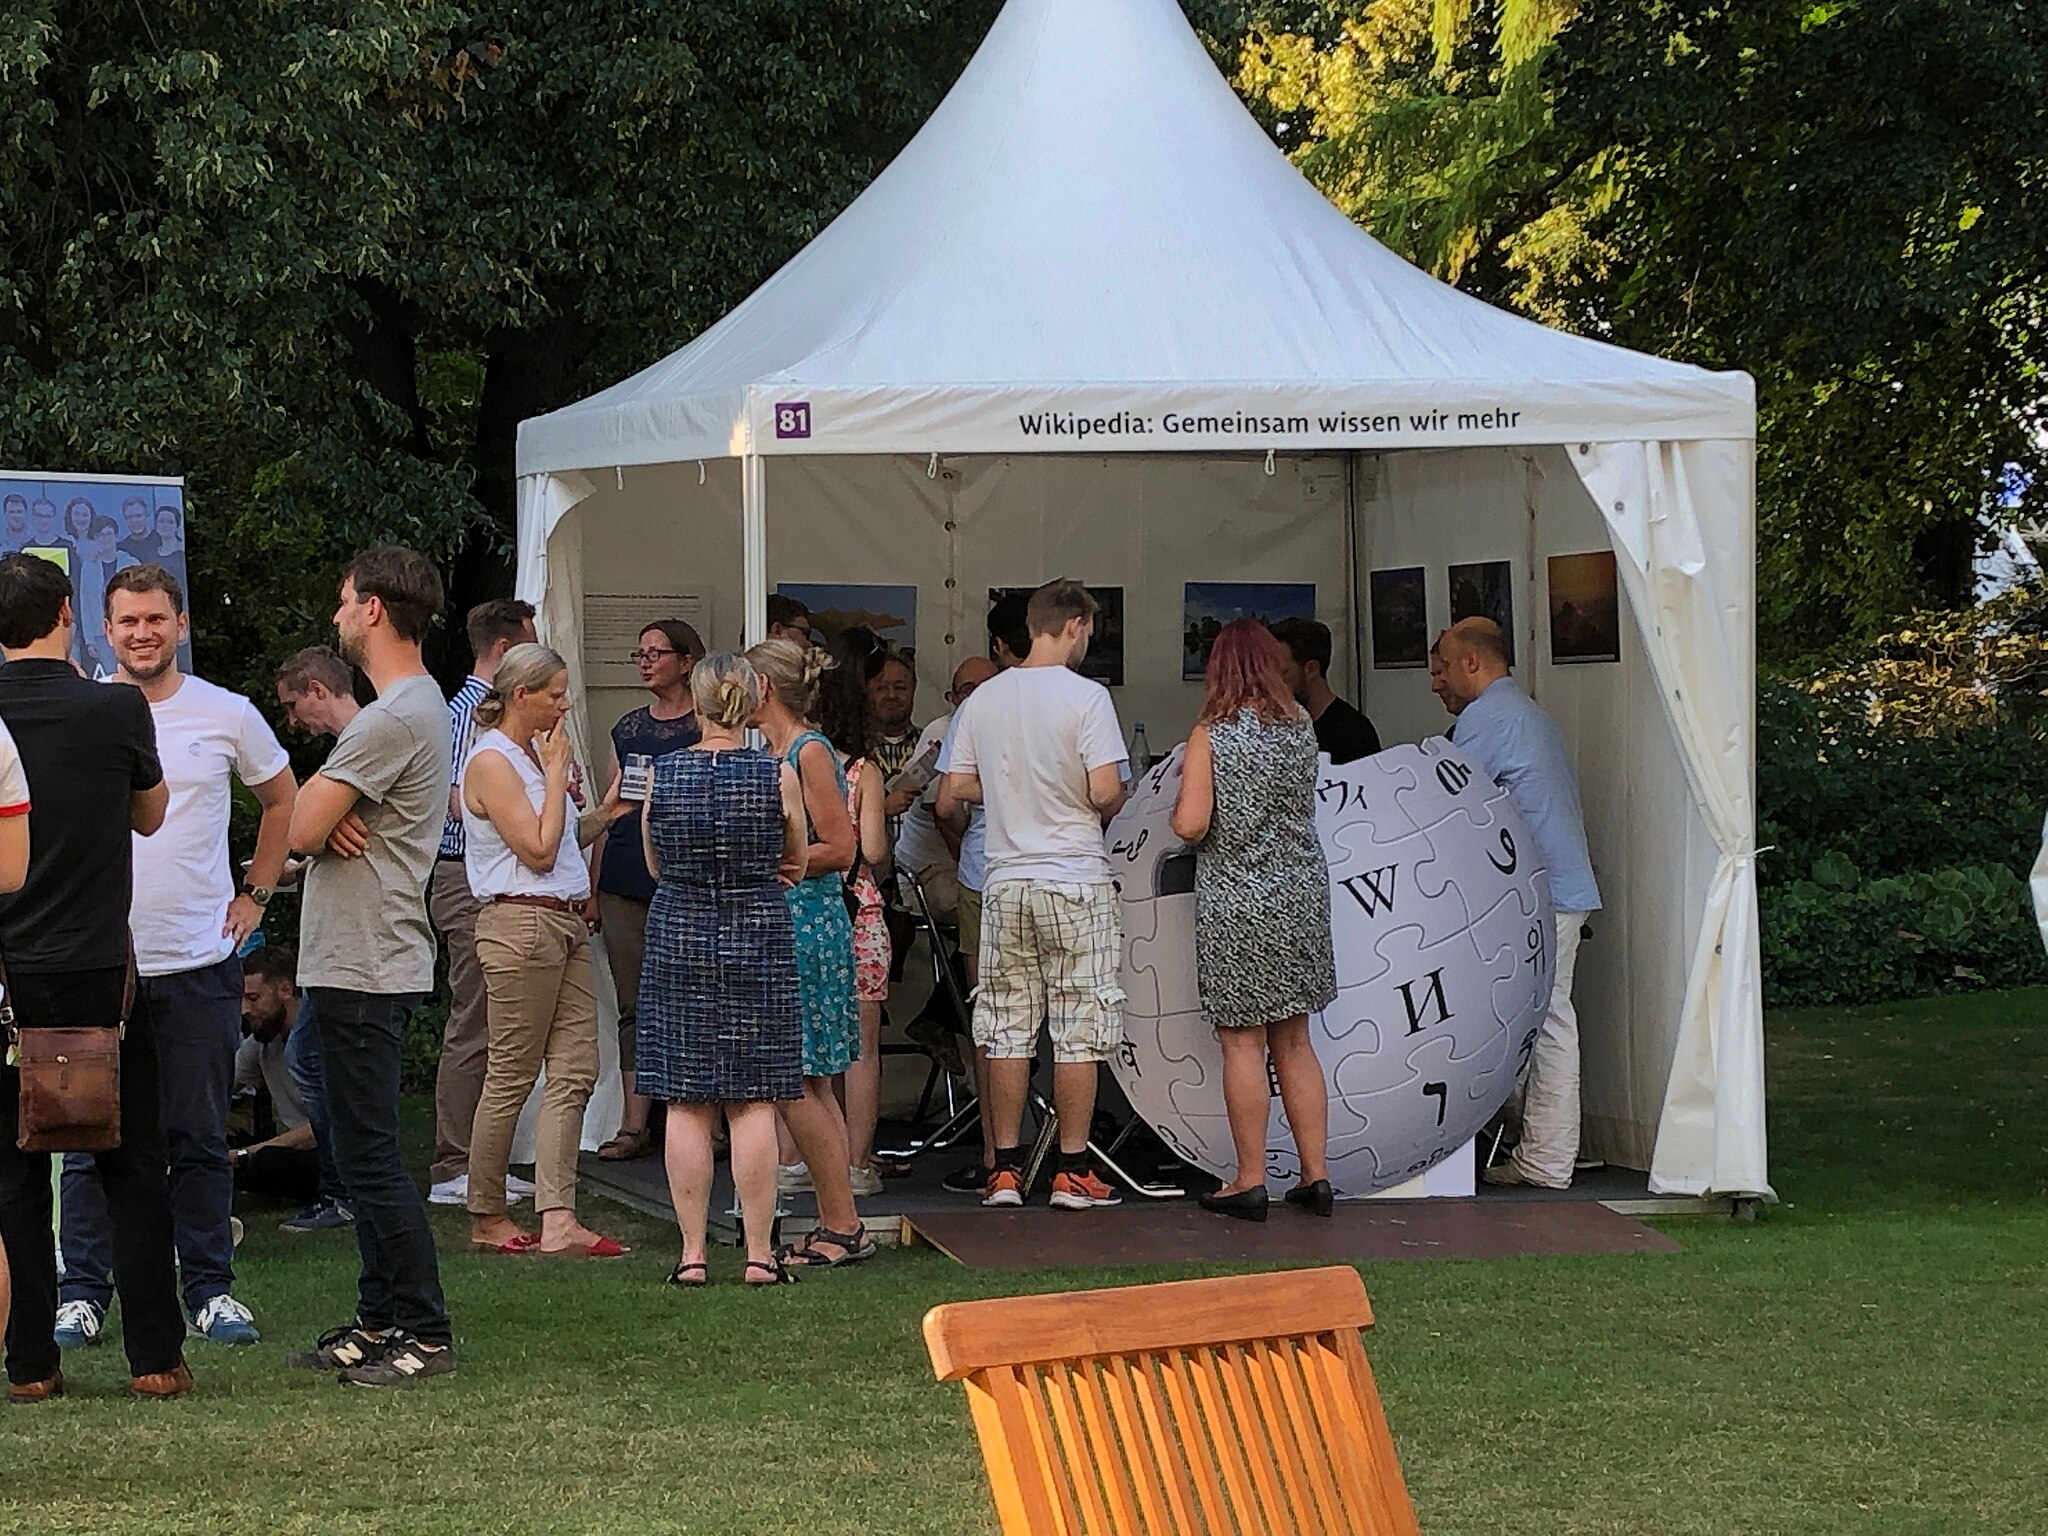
1373,886
1445,781
1364,795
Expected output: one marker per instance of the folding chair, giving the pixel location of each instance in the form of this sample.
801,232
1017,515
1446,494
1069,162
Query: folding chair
1242,1405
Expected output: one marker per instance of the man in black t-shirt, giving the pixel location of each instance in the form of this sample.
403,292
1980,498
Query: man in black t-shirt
1342,733
90,750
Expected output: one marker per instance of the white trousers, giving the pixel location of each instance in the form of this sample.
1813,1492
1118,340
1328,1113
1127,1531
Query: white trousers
1549,1147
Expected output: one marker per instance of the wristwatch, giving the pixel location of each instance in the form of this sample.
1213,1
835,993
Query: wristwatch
260,894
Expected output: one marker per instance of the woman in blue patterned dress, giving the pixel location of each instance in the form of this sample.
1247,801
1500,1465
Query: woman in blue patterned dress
719,1023
789,675
1263,954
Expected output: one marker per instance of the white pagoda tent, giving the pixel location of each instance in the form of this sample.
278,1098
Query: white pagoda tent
1091,322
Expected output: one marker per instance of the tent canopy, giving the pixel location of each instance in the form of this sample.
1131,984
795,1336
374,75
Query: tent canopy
1093,234
1093,251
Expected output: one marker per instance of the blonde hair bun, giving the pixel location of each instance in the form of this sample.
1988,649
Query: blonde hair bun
725,689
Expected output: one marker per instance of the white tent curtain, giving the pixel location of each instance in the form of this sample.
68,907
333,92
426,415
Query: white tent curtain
1711,1136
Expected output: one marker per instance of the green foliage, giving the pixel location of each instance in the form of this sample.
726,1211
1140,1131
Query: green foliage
1839,938
1840,199
322,259
1901,793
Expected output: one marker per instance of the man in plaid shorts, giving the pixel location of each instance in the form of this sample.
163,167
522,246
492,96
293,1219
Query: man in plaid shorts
1038,747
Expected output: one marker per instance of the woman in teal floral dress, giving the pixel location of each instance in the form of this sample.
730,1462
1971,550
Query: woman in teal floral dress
789,674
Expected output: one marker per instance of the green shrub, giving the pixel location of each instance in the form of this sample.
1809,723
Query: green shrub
1900,793
1840,938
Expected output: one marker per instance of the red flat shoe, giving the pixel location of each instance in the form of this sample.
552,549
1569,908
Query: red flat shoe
525,1242
603,1248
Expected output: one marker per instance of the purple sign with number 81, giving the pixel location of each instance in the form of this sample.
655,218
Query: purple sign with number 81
793,420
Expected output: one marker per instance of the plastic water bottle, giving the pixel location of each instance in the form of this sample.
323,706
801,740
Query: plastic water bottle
1141,751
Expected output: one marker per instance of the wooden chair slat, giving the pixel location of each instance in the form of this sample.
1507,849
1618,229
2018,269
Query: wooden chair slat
1234,1407
1278,1433
1205,1466
1017,1472
1267,1475
1154,1463
1386,1465
1183,1314
1303,1432
1220,1434
1115,1450
1346,1433
1079,1459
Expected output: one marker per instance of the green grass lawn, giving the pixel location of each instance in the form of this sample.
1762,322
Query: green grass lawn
1872,1356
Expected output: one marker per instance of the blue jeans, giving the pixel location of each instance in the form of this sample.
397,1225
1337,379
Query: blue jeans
302,1059
197,1019
361,1034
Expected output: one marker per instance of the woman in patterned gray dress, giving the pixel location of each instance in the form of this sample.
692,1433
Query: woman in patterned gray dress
1262,910
719,1024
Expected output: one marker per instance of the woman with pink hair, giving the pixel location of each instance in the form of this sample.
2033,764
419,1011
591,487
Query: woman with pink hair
1262,909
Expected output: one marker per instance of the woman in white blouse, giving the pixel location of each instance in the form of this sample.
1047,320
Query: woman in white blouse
534,947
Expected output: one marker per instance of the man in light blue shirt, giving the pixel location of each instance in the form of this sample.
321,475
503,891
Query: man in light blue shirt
1520,747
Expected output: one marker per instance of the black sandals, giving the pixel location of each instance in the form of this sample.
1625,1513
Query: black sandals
855,1247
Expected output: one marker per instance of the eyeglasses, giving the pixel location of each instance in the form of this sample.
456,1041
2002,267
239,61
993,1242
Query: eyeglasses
650,655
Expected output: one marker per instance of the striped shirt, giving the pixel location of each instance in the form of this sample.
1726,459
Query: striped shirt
461,733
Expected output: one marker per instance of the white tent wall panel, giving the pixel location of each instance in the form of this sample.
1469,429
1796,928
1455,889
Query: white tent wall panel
1151,525
1435,509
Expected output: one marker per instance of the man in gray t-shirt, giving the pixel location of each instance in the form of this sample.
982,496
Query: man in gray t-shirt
365,923
371,819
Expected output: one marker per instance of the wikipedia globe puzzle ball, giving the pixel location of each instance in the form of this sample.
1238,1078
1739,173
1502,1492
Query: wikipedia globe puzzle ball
1445,947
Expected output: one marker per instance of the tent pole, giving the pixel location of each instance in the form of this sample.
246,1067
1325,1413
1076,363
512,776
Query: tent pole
1355,641
754,544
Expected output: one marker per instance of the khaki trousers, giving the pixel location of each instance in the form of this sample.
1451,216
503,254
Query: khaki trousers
543,1013
1548,1152
460,1077
623,922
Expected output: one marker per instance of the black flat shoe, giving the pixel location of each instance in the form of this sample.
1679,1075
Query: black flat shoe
1245,1205
1317,1197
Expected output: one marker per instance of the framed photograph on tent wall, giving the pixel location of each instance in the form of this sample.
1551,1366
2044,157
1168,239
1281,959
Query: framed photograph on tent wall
1400,619
1485,590
1105,661
91,526
1585,608
889,613
1209,605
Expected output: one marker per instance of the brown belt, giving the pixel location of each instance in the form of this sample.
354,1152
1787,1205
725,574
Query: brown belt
545,903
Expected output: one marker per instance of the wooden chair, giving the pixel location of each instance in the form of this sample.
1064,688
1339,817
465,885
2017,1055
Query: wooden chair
1239,1405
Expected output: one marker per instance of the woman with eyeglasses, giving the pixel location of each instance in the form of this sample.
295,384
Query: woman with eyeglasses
667,650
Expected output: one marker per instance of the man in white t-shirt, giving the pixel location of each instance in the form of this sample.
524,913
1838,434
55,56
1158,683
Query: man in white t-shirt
1040,750
188,921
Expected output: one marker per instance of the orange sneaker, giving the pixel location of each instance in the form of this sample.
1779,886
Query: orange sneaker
1081,1192
1005,1187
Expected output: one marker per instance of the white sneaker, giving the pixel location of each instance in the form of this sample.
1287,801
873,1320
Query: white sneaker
78,1324
225,1320
455,1191
865,1181
792,1178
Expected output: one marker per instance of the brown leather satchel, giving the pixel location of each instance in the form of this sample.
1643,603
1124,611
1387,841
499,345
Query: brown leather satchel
70,1080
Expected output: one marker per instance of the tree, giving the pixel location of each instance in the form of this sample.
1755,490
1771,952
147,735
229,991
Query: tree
1844,199
322,259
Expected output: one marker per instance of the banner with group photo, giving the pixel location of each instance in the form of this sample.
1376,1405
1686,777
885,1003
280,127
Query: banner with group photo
91,526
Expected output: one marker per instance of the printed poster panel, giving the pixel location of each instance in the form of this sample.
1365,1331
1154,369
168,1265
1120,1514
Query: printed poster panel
1209,605
91,526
